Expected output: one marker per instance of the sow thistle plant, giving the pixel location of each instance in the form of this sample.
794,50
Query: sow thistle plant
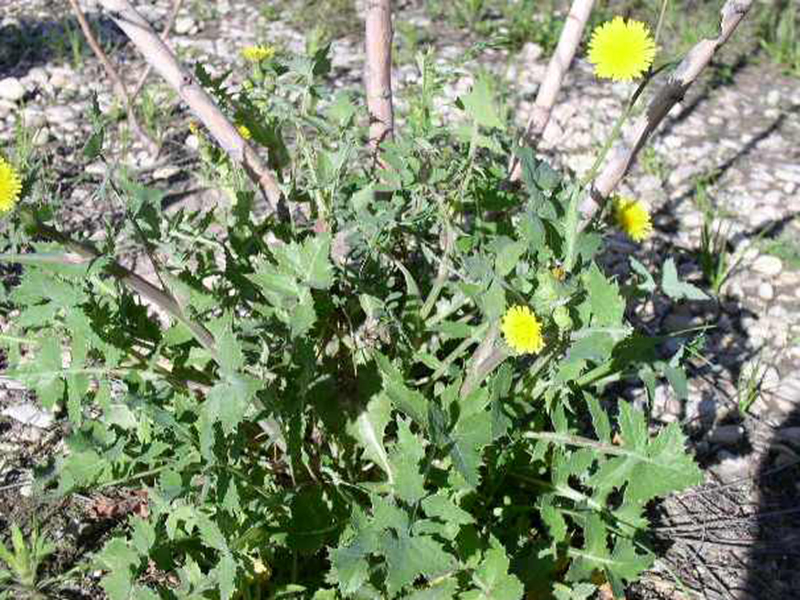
399,385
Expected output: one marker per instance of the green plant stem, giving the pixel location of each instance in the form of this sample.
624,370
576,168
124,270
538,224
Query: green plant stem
477,335
661,15
564,491
615,134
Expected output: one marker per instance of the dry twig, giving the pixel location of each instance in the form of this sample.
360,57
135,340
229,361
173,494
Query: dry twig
554,77
157,54
379,72
176,7
119,85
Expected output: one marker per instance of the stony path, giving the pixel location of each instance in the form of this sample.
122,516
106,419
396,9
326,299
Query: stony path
730,148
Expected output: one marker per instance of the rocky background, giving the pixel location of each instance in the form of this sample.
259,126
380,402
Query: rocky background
727,156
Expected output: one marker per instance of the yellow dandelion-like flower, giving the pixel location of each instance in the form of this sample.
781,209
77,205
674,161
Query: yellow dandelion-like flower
10,186
633,218
620,50
256,54
522,330
244,132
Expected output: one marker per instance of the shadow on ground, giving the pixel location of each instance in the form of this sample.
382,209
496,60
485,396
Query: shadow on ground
31,42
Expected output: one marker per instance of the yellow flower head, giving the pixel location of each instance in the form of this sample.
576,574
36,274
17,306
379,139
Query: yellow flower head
10,186
633,218
244,132
255,54
620,50
522,330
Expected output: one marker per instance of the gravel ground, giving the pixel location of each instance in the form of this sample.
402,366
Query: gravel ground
730,147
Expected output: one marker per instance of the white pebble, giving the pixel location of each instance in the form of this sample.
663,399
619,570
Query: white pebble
11,89
768,265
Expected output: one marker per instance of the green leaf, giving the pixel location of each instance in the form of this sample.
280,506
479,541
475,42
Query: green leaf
492,579
440,506
349,561
600,420
627,565
594,554
211,534
94,145
480,105
410,402
607,305
144,593
227,402
312,521
648,285
651,467
676,289
143,535
369,428
579,591
466,443
44,373
508,257
500,386
444,589
226,575
408,557
80,469
677,379
308,263
493,302
405,459
119,559
553,519
230,350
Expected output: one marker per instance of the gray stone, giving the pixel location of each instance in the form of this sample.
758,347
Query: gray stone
788,173
732,466
28,414
11,89
773,97
185,25
32,117
530,52
165,172
96,168
6,108
41,137
62,77
768,265
193,143
59,114
37,77
766,291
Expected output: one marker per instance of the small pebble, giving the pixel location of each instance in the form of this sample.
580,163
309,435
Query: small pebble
767,264
766,291
11,89
28,414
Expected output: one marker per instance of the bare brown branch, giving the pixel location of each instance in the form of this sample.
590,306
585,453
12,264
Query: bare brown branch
624,154
176,7
379,72
546,97
157,54
119,85
147,290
